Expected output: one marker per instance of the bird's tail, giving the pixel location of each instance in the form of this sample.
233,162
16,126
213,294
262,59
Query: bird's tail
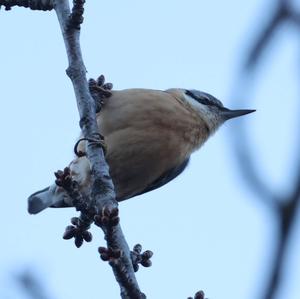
52,196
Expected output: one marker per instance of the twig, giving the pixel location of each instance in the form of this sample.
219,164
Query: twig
103,193
32,4
102,189
76,17
198,295
139,257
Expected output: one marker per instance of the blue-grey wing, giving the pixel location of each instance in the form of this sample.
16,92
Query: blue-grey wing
166,177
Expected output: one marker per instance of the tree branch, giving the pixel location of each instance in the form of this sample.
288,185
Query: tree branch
102,193
102,198
286,207
32,4
33,287
281,14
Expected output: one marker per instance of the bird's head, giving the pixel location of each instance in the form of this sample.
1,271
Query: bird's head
210,109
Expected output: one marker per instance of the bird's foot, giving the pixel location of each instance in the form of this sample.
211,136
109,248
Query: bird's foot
98,140
100,91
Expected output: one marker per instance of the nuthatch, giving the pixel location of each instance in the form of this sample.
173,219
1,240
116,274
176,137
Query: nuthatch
150,135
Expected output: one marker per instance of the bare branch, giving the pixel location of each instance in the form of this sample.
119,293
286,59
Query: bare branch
32,285
280,14
103,193
32,4
198,295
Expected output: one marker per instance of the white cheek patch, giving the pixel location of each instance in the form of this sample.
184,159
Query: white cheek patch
211,118
203,109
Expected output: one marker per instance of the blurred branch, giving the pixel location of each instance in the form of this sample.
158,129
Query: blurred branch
32,285
285,208
280,14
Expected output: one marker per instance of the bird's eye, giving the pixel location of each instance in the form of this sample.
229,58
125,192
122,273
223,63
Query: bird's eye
205,101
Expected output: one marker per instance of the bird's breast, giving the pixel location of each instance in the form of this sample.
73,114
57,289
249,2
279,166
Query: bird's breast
147,132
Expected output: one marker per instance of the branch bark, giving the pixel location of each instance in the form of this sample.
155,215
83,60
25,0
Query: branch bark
32,4
102,192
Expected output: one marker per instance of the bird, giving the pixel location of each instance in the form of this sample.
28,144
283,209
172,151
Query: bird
150,136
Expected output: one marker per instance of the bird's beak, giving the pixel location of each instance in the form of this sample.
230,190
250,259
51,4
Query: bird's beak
228,114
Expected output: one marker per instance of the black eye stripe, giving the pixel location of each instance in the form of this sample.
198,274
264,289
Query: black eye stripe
203,100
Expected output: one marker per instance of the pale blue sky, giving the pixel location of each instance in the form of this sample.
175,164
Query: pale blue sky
208,210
